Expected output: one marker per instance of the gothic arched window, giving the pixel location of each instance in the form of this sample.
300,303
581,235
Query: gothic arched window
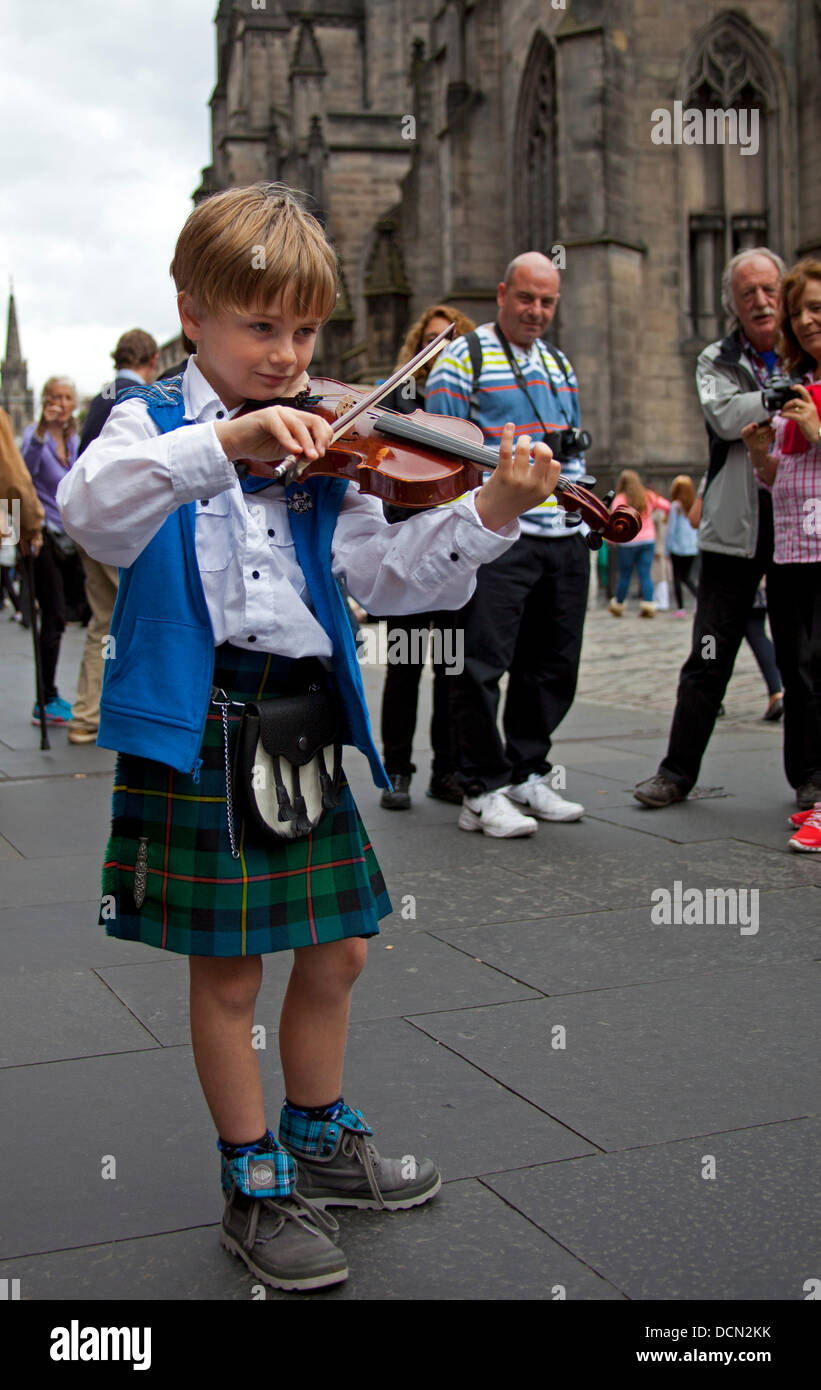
727,121
535,175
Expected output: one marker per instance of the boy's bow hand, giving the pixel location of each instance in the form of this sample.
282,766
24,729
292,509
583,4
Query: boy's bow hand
517,483
268,435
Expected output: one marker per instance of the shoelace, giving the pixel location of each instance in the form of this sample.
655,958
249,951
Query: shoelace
814,819
357,1144
306,1215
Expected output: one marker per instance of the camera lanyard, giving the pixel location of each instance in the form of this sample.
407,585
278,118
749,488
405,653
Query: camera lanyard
519,378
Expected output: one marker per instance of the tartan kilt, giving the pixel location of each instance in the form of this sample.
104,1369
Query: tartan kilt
198,899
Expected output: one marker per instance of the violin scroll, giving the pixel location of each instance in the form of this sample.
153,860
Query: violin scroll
622,524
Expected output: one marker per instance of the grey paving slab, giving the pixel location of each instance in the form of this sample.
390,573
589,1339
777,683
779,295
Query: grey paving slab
62,815
56,936
602,950
61,879
61,759
8,850
653,1225
468,1243
715,818
457,896
412,847
588,719
143,1108
146,1110
56,1014
422,1098
655,1062
629,877
400,978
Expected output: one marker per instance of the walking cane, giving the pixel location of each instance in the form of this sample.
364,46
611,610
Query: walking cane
35,637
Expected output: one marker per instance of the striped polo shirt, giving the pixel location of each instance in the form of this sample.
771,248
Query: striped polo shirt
552,385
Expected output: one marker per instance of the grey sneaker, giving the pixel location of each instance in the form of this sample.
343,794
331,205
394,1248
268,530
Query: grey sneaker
659,791
284,1242
337,1166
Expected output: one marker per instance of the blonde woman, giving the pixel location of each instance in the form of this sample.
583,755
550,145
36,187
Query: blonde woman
638,553
50,449
410,395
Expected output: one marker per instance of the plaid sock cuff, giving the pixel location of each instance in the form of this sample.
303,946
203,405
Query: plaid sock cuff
264,1170
319,1137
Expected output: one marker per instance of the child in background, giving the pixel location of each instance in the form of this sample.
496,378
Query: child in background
681,540
228,592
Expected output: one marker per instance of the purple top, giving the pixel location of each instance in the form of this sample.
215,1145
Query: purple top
43,463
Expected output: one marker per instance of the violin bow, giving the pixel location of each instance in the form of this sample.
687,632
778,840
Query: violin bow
298,465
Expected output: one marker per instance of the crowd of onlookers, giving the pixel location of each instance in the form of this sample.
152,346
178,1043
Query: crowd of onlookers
745,543
68,584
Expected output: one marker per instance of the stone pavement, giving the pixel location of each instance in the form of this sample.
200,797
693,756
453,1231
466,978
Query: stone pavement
622,1110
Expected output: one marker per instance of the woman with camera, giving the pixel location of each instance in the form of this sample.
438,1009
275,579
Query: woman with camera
786,454
49,449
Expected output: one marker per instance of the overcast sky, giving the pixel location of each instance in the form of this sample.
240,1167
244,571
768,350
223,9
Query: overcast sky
104,131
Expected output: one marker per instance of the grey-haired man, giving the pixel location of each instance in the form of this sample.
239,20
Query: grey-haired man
736,533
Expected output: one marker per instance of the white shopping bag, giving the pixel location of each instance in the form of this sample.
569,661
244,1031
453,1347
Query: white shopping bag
661,594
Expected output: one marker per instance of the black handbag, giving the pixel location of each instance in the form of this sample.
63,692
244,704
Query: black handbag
288,762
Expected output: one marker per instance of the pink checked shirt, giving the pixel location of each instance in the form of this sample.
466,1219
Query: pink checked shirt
796,502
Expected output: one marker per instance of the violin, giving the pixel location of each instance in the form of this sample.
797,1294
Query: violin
419,459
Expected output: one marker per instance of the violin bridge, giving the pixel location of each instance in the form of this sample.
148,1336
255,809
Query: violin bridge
345,404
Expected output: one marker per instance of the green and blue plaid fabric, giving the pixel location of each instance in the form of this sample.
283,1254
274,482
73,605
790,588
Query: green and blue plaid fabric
198,899
263,1170
306,1136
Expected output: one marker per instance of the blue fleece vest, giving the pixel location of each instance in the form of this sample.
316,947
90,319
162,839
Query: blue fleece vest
156,690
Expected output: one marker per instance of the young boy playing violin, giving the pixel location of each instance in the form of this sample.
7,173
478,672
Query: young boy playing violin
227,589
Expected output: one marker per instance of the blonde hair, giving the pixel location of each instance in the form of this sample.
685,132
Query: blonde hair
70,427
631,485
416,332
241,248
683,492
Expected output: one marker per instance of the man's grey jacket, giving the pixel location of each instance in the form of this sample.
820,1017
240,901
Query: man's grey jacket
730,398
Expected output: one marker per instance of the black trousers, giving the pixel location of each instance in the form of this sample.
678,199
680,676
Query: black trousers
400,696
794,600
682,564
726,590
54,573
527,618
763,650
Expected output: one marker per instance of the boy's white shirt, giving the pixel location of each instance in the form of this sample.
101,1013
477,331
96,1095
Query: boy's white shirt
129,480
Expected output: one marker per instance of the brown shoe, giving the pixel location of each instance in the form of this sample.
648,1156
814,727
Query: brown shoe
82,735
658,791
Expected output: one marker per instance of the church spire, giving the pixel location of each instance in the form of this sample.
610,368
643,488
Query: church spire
13,357
16,398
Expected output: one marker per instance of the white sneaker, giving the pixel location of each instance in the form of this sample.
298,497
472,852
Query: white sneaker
494,815
542,801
